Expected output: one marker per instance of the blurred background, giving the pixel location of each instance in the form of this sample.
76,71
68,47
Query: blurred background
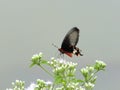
28,27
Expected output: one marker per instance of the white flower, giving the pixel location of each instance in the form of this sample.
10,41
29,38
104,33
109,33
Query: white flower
81,88
62,61
52,58
40,54
9,89
101,63
48,83
89,85
31,87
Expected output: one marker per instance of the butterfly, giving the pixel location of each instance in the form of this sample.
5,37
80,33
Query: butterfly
69,43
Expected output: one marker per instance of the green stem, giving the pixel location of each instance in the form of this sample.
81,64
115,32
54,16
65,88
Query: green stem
46,71
53,86
94,74
89,78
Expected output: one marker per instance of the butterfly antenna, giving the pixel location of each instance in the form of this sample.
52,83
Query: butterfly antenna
55,45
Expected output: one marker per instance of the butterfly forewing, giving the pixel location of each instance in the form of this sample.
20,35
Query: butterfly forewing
70,40
73,37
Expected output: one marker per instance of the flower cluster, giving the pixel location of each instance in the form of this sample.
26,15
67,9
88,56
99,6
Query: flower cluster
89,74
42,85
99,65
17,85
64,75
36,59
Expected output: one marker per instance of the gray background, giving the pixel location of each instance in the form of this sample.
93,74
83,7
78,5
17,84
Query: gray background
31,26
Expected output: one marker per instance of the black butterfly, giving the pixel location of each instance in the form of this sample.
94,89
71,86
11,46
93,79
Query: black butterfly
69,43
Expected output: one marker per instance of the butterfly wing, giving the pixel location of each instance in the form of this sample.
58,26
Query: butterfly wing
70,40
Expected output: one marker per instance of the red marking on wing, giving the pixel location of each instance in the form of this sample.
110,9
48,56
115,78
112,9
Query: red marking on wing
69,54
65,52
